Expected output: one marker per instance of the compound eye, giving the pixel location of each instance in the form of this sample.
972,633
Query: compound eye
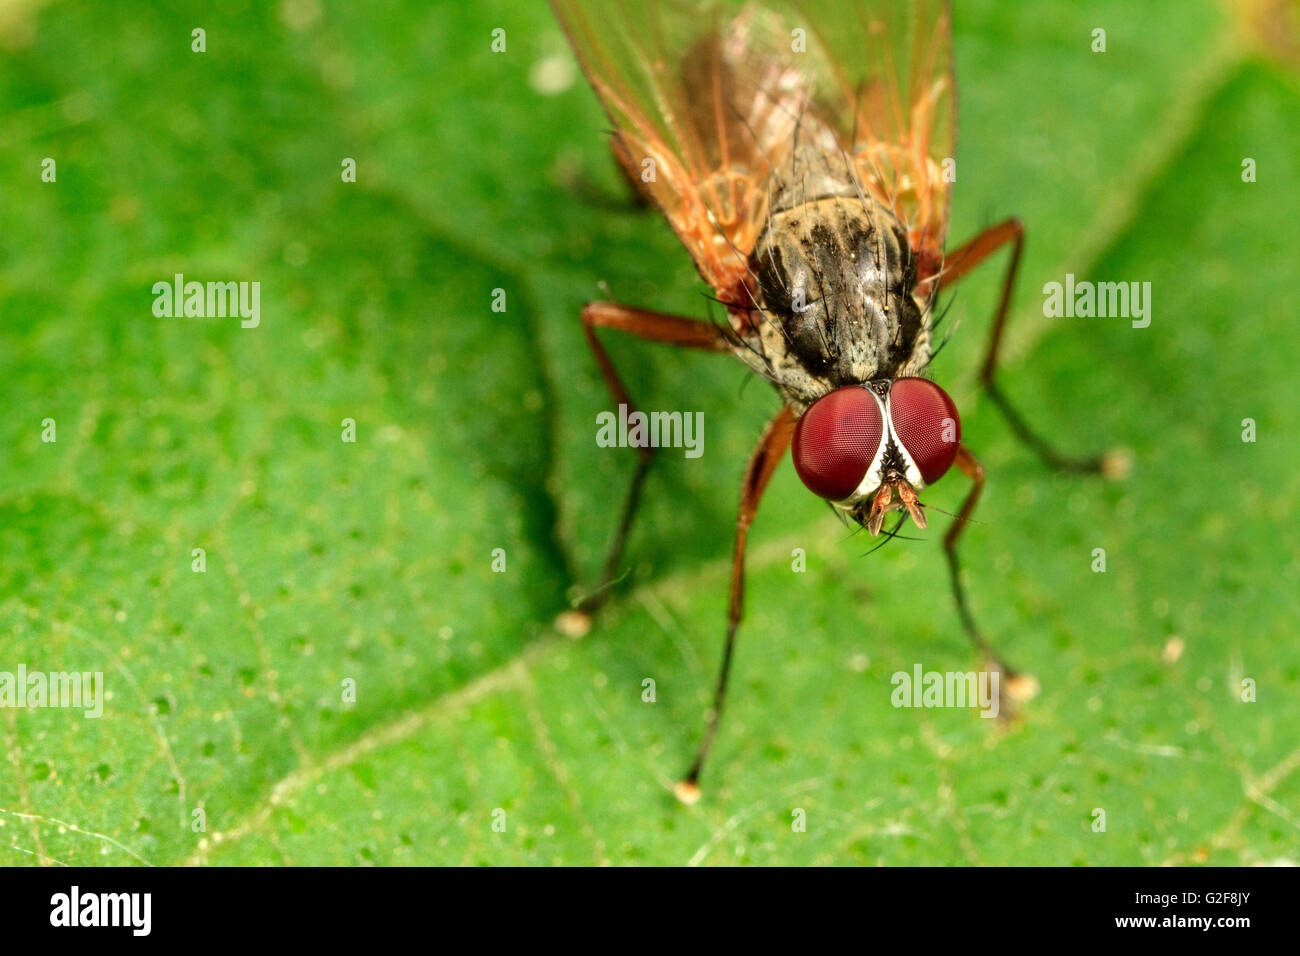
836,440
925,422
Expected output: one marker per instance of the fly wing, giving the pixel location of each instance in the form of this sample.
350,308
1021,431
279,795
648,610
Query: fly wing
884,82
703,110
709,98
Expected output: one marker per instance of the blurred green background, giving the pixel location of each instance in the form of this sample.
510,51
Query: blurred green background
371,561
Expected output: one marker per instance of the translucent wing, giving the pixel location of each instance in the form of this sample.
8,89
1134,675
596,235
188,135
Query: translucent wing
889,75
709,98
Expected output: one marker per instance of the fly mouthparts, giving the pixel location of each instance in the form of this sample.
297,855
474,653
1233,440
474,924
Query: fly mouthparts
913,505
879,505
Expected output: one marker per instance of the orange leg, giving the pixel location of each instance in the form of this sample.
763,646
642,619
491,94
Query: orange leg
975,472
767,455
654,327
960,262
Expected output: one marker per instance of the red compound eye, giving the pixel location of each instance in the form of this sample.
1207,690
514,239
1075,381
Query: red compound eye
836,440
926,424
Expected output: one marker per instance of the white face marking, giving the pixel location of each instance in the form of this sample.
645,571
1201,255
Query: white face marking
875,472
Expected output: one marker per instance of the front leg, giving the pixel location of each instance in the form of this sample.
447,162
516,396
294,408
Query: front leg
767,455
654,327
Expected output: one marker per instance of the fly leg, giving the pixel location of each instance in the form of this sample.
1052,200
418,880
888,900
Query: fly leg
767,455
654,327
1019,686
959,263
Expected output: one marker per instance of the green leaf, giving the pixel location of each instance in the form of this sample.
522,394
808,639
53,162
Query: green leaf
368,564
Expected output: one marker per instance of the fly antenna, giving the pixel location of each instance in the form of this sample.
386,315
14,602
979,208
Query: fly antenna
891,533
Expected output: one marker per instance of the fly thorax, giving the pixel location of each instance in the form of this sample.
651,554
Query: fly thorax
836,276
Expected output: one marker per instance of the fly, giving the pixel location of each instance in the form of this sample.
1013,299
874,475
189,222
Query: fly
799,151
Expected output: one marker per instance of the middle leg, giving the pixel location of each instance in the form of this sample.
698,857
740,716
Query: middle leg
1020,685
959,263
